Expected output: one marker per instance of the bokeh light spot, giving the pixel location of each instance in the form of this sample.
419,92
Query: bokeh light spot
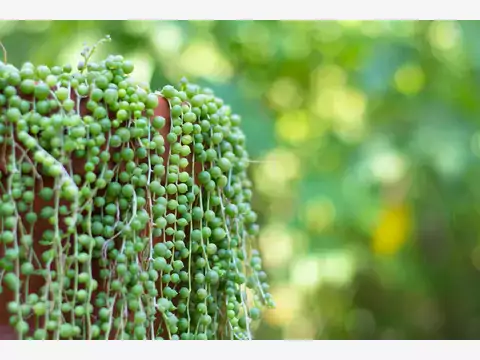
139,27
168,38
444,35
388,166
409,79
328,76
335,267
293,127
285,93
275,170
301,328
288,305
144,66
203,59
319,214
351,24
276,236
392,230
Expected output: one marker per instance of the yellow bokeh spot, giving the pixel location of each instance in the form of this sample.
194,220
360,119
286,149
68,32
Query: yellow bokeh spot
327,31
388,166
288,305
305,272
256,38
319,214
345,108
167,38
203,26
341,103
276,236
334,267
392,230
205,59
301,328
444,35
372,28
350,106
328,76
296,44
139,27
409,79
275,171
403,28
352,24
293,127
285,93
253,32
323,105
144,67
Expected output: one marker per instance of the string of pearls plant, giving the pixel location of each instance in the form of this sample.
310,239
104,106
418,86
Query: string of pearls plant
120,220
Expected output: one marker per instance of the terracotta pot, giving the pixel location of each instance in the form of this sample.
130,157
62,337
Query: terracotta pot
35,282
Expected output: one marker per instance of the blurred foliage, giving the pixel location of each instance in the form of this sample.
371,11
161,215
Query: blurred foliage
365,147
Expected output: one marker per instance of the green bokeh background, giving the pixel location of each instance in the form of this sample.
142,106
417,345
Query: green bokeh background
365,145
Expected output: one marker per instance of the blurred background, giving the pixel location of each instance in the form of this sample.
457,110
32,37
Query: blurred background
365,137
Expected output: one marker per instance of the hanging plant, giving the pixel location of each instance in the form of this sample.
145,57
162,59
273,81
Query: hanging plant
124,212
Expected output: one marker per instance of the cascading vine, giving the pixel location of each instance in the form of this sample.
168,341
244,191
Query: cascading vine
124,213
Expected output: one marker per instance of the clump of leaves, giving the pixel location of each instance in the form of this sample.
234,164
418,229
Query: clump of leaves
124,213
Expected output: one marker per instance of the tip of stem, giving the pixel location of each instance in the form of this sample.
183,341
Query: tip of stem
4,50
